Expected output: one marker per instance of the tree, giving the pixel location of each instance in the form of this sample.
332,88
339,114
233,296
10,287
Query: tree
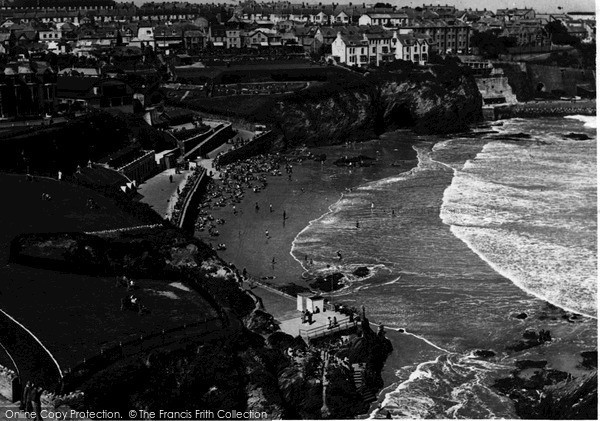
490,45
559,34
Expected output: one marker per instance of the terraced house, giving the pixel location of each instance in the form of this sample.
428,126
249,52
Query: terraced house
409,47
351,49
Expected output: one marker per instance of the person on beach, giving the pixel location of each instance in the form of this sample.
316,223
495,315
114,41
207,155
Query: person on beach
372,205
273,263
270,207
234,210
170,178
284,216
256,207
357,224
393,213
335,322
339,255
267,234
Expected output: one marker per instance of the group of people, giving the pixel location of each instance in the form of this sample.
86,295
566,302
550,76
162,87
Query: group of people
130,301
234,179
307,317
32,399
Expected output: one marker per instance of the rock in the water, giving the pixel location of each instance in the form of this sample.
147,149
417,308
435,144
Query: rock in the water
329,283
361,272
577,136
590,359
525,364
532,339
520,316
484,353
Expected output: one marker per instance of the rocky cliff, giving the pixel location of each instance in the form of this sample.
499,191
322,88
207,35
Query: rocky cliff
443,99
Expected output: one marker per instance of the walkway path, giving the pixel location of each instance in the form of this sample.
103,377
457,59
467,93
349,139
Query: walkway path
160,193
208,162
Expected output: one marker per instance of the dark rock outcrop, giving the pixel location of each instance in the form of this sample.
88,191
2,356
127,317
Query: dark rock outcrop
261,322
361,272
331,282
590,359
443,99
525,364
552,394
577,136
532,339
484,353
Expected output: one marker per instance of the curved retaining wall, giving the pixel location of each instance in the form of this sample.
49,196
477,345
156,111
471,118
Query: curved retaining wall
258,145
190,207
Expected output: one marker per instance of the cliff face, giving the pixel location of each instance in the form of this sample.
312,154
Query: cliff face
440,100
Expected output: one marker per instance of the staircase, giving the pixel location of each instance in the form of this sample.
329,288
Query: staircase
359,381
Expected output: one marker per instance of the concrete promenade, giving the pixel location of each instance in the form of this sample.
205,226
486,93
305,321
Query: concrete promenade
160,193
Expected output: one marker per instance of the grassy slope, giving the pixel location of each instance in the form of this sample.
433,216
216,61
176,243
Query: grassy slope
73,315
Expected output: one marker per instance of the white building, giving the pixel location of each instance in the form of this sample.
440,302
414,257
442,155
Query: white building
352,50
411,47
383,19
49,35
380,46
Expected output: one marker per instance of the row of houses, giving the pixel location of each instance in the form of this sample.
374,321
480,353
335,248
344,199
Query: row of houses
33,88
368,45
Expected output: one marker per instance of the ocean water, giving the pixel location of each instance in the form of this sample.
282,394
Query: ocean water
480,230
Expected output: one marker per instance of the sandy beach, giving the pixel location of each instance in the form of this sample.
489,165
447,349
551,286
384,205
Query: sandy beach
304,199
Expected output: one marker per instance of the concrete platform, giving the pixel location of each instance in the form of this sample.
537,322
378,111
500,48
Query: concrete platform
319,326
